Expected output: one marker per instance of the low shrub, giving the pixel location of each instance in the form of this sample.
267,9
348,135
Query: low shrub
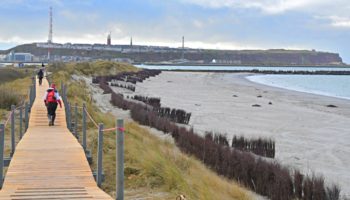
9,74
152,101
261,146
129,87
131,77
8,97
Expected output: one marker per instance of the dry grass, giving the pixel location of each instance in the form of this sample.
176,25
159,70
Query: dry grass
8,74
157,164
17,93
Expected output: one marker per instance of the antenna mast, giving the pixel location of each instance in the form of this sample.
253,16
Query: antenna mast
49,40
183,48
50,26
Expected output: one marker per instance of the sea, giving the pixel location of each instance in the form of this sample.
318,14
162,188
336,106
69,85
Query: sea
328,85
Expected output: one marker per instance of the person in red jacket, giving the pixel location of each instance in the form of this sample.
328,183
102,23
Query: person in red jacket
52,99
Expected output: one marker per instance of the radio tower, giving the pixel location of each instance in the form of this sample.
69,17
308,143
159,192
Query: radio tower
49,41
183,48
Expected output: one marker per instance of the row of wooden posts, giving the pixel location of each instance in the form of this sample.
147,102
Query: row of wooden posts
72,125
5,161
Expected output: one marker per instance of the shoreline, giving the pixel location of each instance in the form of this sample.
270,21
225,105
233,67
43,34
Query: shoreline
292,89
309,136
240,65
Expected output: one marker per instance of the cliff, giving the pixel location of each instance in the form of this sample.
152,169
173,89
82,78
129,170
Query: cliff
142,54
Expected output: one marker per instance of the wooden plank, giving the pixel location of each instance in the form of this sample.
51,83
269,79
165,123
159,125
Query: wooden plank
49,162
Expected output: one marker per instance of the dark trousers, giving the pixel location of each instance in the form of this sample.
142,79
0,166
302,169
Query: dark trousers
40,80
51,110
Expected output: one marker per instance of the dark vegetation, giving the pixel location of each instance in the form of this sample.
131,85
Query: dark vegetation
174,115
8,97
105,87
9,74
152,101
9,94
260,146
131,77
129,87
266,178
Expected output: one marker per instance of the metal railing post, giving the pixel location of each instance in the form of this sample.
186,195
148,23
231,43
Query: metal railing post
64,92
31,95
26,116
65,101
120,160
34,86
76,120
66,109
99,155
2,145
84,127
13,140
20,123
34,94
68,117
71,117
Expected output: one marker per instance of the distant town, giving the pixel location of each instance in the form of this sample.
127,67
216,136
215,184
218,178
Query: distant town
14,56
139,54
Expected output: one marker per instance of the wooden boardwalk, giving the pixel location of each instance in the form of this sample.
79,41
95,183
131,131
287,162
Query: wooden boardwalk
49,162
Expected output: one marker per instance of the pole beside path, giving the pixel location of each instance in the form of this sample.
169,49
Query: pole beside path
120,159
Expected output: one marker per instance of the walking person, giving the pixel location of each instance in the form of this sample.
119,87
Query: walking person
40,76
52,99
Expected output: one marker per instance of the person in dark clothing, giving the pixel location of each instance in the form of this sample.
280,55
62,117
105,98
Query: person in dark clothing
40,76
52,99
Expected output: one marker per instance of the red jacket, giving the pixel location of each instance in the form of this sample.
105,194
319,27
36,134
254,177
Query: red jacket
52,96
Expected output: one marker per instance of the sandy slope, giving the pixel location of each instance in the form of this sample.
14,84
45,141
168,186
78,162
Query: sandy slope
309,135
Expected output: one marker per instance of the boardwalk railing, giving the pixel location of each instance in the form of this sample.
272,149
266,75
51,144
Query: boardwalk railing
72,119
11,119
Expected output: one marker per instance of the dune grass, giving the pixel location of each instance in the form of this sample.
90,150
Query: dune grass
154,168
14,91
155,163
8,74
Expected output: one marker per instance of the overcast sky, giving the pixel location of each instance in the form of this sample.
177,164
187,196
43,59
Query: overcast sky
220,24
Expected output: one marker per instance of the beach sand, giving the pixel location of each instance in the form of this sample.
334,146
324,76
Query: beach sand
309,135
